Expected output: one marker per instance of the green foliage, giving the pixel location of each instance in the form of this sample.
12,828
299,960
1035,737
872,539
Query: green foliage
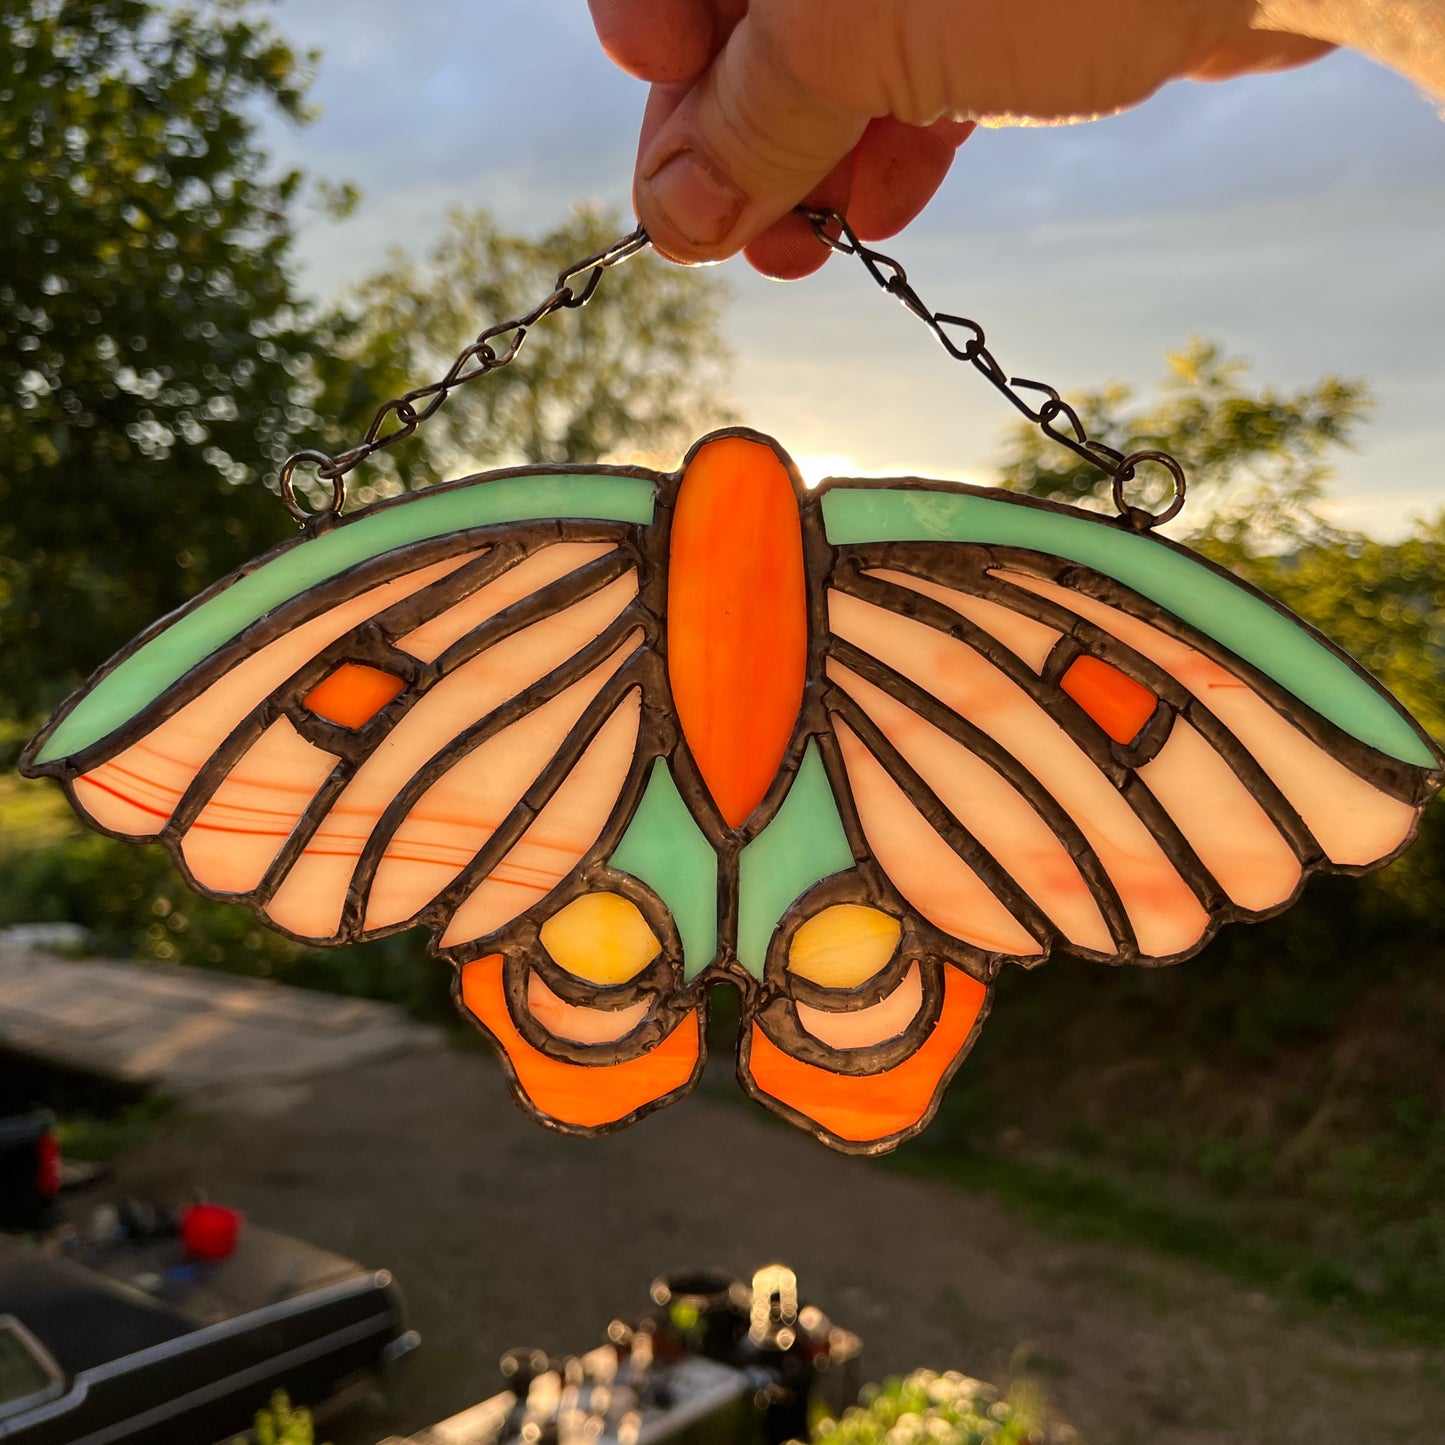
1256,459
98,1139
282,1423
152,351
137,905
635,371
949,1409
1383,602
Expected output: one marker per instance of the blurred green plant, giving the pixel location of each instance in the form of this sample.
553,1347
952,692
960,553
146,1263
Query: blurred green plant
98,1139
1257,458
948,1409
136,905
282,1423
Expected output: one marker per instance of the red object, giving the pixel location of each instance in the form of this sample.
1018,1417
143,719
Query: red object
210,1231
47,1166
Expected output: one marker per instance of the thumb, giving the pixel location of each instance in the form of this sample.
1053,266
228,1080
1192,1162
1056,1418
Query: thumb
746,144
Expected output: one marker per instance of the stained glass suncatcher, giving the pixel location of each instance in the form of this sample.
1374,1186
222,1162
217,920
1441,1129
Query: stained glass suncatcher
614,735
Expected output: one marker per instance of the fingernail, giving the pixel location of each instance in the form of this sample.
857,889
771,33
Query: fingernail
698,201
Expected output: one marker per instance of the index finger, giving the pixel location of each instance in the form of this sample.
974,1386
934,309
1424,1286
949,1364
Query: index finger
667,42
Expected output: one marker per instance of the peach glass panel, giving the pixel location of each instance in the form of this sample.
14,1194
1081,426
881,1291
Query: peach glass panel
864,1027
843,946
1166,916
1030,639
993,810
1222,820
137,790
1354,822
530,575
564,830
458,814
578,1023
309,901
934,879
239,832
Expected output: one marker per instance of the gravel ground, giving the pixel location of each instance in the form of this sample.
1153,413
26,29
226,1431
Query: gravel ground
502,1233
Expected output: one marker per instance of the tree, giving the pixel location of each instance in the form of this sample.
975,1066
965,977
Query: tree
152,348
1256,460
637,370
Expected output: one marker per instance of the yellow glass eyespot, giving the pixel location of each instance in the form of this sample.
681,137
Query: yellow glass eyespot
600,937
843,945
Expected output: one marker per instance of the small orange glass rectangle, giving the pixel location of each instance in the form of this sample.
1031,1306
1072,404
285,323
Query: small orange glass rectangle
1114,700
353,694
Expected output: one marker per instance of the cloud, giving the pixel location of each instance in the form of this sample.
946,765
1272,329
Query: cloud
1297,219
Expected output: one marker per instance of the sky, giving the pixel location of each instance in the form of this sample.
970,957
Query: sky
1296,219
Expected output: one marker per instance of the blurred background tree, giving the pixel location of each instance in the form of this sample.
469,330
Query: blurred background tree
1257,459
152,345
640,369
158,362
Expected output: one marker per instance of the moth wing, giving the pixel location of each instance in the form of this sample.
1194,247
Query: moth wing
338,734
1049,732
1121,743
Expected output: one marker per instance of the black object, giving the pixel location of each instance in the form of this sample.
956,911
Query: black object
718,1361
136,1344
29,1171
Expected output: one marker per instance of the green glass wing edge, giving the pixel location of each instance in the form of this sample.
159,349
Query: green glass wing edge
198,629
804,844
664,847
1268,638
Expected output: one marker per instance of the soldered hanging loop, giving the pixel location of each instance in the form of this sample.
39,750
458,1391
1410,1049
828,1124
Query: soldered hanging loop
326,471
1137,517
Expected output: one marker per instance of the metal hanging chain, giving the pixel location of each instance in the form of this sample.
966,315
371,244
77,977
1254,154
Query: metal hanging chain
498,346
495,348
964,341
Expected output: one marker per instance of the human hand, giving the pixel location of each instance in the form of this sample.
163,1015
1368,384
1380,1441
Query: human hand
859,105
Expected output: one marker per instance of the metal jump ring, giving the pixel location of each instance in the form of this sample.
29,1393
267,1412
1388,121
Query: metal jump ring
325,472
1137,516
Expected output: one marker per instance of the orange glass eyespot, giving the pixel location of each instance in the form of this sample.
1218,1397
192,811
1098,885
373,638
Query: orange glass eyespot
1114,700
353,694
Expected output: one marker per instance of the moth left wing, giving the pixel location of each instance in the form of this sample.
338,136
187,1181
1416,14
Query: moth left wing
426,713
432,713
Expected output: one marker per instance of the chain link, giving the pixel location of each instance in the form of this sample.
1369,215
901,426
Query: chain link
495,348
962,338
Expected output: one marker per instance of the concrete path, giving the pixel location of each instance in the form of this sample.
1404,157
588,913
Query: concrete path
187,1030
501,1234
